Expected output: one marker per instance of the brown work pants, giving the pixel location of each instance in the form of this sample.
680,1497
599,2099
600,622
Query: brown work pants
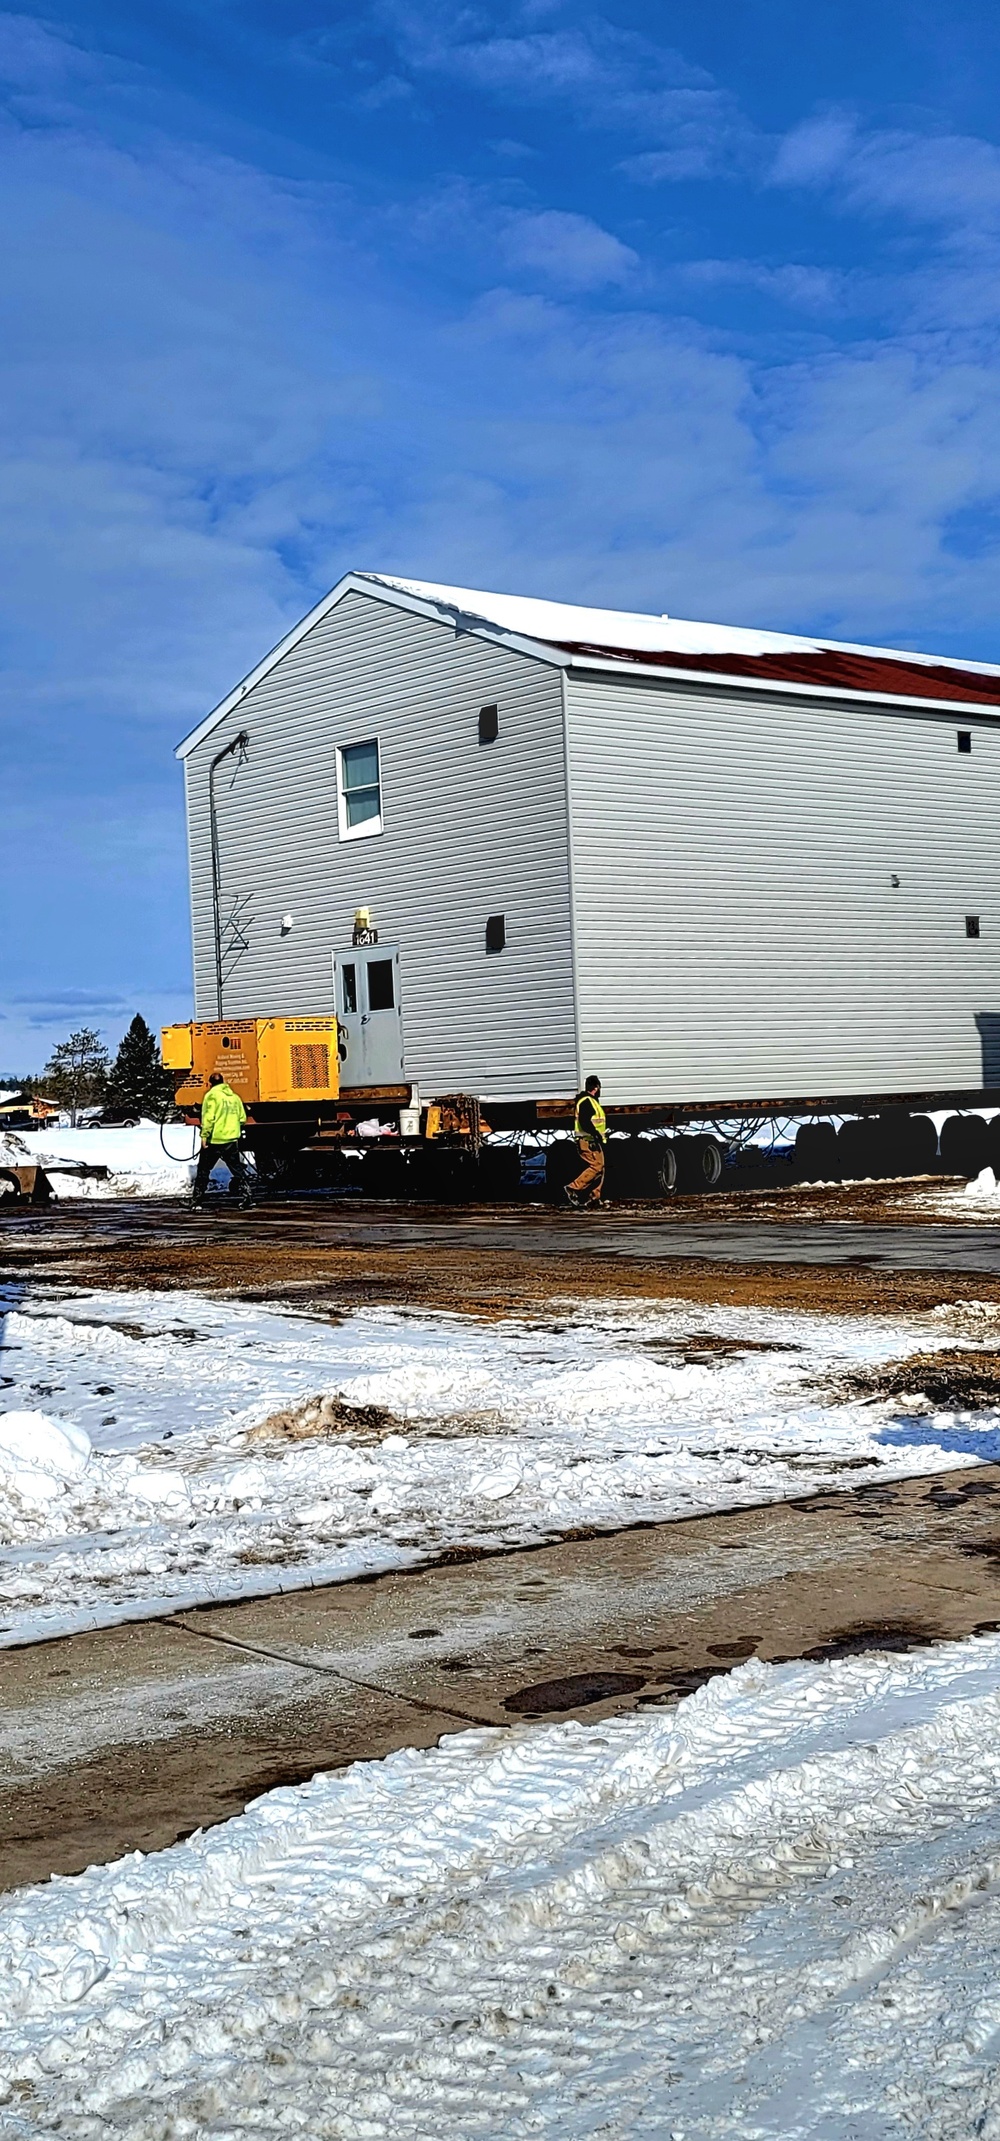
588,1181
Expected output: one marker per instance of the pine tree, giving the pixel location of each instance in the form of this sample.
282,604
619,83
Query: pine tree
76,1071
138,1083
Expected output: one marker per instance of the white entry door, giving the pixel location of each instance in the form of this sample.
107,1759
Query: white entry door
366,993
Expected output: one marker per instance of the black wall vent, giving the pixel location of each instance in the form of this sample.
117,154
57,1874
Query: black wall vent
971,925
964,739
496,932
489,724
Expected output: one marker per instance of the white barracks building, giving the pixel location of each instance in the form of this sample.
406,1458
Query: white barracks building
710,864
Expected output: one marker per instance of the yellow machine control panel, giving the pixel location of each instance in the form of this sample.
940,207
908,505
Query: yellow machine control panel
266,1059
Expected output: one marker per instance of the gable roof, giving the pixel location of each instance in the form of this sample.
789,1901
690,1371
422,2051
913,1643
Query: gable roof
575,636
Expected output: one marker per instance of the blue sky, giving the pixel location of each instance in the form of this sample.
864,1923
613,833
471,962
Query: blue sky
687,309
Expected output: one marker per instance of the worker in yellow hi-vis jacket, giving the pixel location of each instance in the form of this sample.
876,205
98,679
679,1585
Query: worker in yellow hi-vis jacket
591,1132
222,1118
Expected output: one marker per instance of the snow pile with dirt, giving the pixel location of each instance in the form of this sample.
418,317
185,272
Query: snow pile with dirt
984,1189
437,1432
772,1911
140,1163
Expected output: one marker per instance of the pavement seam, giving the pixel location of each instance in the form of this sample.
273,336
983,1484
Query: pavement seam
331,1672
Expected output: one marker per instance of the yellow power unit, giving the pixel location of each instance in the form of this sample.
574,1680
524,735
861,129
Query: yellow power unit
266,1059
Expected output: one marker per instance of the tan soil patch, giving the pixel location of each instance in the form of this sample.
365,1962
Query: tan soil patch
318,1417
709,1349
334,1280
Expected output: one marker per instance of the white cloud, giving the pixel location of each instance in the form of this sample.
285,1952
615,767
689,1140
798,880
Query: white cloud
814,150
569,250
548,247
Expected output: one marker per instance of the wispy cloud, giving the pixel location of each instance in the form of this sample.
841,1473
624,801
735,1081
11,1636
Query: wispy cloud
604,76
948,180
821,291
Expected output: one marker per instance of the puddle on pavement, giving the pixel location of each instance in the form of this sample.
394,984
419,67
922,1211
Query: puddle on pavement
862,1636
982,1549
572,1692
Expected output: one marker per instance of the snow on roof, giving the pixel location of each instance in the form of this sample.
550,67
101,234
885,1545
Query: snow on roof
572,633
637,636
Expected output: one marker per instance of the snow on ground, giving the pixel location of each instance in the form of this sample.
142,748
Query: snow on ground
131,1480
964,1203
141,1165
772,1912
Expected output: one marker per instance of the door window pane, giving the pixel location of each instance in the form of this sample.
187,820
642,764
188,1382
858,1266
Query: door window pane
380,996
350,985
359,773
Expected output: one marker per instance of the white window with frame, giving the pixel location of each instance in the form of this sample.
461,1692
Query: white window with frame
359,790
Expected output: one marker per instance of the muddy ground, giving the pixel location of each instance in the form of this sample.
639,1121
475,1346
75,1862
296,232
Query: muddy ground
130,1738
861,1249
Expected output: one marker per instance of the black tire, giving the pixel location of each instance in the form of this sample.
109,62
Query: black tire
699,1163
817,1157
624,1169
447,1176
858,1150
499,1174
384,1174
664,1153
562,1162
965,1145
923,1145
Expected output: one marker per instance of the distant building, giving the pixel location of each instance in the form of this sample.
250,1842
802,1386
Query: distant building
26,1111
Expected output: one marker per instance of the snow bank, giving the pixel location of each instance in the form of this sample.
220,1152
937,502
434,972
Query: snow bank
772,1910
39,1459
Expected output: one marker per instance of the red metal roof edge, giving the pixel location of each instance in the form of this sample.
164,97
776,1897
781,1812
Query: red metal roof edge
824,666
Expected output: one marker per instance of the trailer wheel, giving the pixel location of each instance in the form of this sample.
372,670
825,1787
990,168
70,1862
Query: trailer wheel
922,1145
816,1157
665,1165
562,1162
965,1145
857,1150
910,1143
699,1163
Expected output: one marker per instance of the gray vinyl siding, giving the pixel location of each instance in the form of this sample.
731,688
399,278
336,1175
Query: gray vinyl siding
470,831
737,930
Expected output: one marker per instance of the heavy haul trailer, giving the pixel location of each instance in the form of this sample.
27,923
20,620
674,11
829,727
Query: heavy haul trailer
507,843
287,1072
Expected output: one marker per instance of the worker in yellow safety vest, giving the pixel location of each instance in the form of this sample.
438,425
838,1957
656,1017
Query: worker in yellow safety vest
591,1132
222,1118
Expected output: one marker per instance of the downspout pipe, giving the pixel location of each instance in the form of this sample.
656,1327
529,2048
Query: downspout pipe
239,744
